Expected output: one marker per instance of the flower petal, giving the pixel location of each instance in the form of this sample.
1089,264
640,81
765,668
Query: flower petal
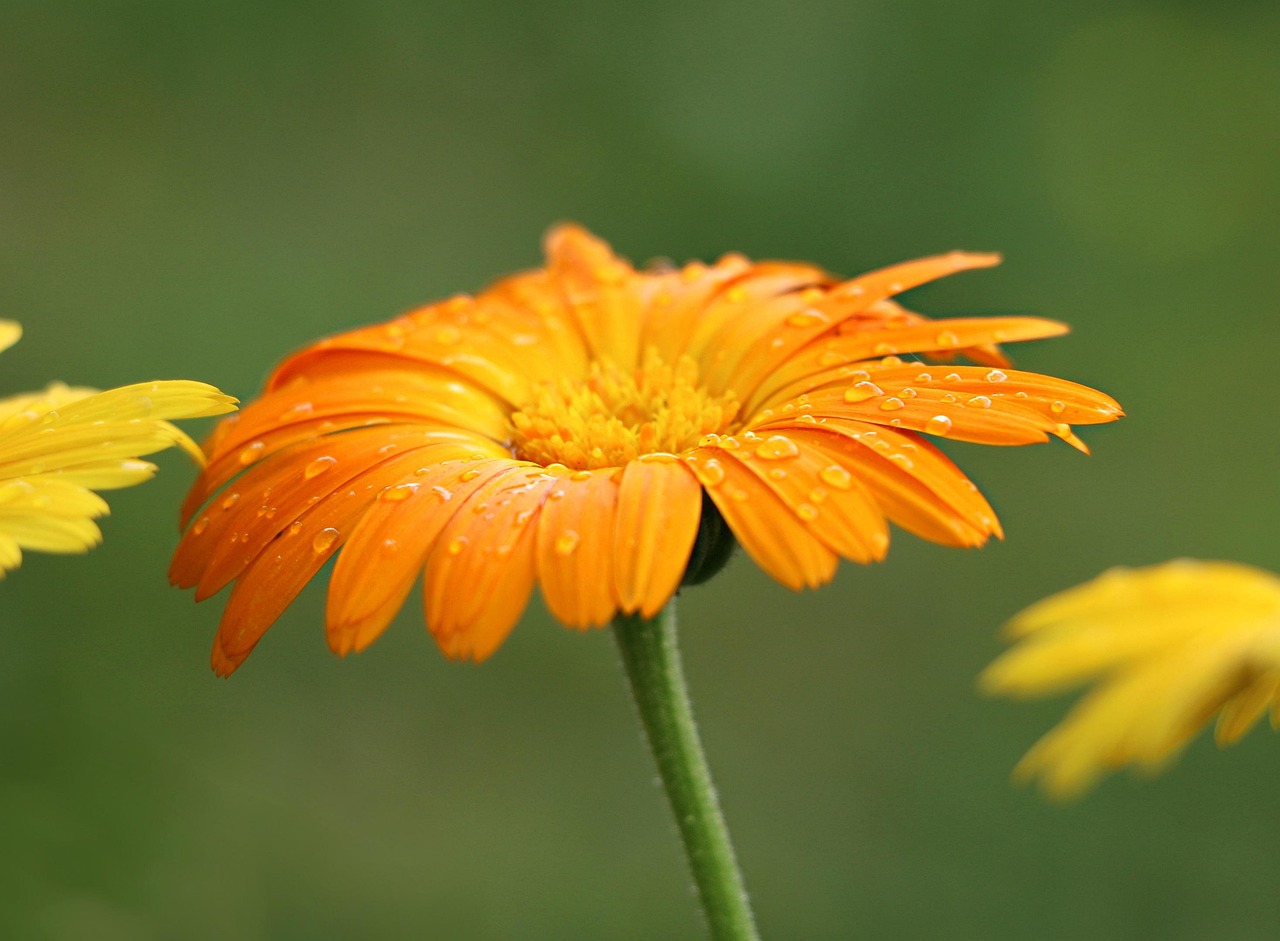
480,574
389,547
764,525
659,509
575,555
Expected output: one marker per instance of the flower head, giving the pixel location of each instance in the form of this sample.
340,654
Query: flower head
1168,647
565,426
59,445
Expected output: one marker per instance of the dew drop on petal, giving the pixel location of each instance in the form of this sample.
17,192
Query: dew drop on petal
469,475
908,393
398,494
200,525
323,541
997,375
712,473
836,476
390,545
902,461
938,425
947,338
251,452
448,335
319,466
979,401
777,448
444,494
295,527
807,512
862,391
1058,408
817,495
580,475
892,404
832,358
523,517
230,500
924,377
456,546
566,542
777,473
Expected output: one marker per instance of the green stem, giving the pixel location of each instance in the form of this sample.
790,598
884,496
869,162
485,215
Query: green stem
652,661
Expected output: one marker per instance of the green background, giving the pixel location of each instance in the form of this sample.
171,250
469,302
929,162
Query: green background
194,189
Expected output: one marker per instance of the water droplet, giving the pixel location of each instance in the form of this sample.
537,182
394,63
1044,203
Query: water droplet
580,475
566,542
947,339
776,343
836,476
252,452
908,393
892,404
953,377
523,517
448,335
658,457
862,391
319,466
832,358
556,495
924,377
902,461
712,474
979,401
390,545
883,349
301,410
739,495
817,495
950,399
200,525
807,512
479,508
997,375
1058,408
777,448
324,540
777,473
469,475
295,527
807,419
230,500
444,495
938,425
807,318
456,546
398,493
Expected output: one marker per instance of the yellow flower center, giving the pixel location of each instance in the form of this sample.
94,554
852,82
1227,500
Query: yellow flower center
613,416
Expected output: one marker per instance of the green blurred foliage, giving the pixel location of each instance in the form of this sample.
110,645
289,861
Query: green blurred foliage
192,190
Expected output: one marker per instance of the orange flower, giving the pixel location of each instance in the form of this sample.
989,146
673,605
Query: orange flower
564,426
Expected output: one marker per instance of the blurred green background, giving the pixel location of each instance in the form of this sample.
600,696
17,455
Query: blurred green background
192,190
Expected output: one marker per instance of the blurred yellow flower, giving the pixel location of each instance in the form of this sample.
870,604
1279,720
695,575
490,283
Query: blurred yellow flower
1169,647
59,445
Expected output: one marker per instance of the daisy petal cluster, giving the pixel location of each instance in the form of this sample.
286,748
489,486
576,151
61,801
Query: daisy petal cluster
1167,649
60,445
571,427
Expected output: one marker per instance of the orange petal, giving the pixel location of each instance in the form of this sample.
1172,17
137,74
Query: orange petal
575,548
659,510
764,525
243,520
826,497
275,577
600,289
674,302
809,367
480,574
389,547
916,485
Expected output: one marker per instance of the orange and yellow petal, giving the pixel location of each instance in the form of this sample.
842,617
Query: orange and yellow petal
659,509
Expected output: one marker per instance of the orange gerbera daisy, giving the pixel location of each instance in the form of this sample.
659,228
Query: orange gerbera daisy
567,425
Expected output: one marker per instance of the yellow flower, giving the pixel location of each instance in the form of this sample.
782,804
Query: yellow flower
59,445
1168,647
577,427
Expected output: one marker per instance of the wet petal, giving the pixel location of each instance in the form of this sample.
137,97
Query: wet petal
659,509
575,548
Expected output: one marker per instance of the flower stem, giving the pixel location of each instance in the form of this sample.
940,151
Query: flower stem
652,661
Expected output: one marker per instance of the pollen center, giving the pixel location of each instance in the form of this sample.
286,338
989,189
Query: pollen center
612,415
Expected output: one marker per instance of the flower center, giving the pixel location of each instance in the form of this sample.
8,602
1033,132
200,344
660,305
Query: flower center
613,416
